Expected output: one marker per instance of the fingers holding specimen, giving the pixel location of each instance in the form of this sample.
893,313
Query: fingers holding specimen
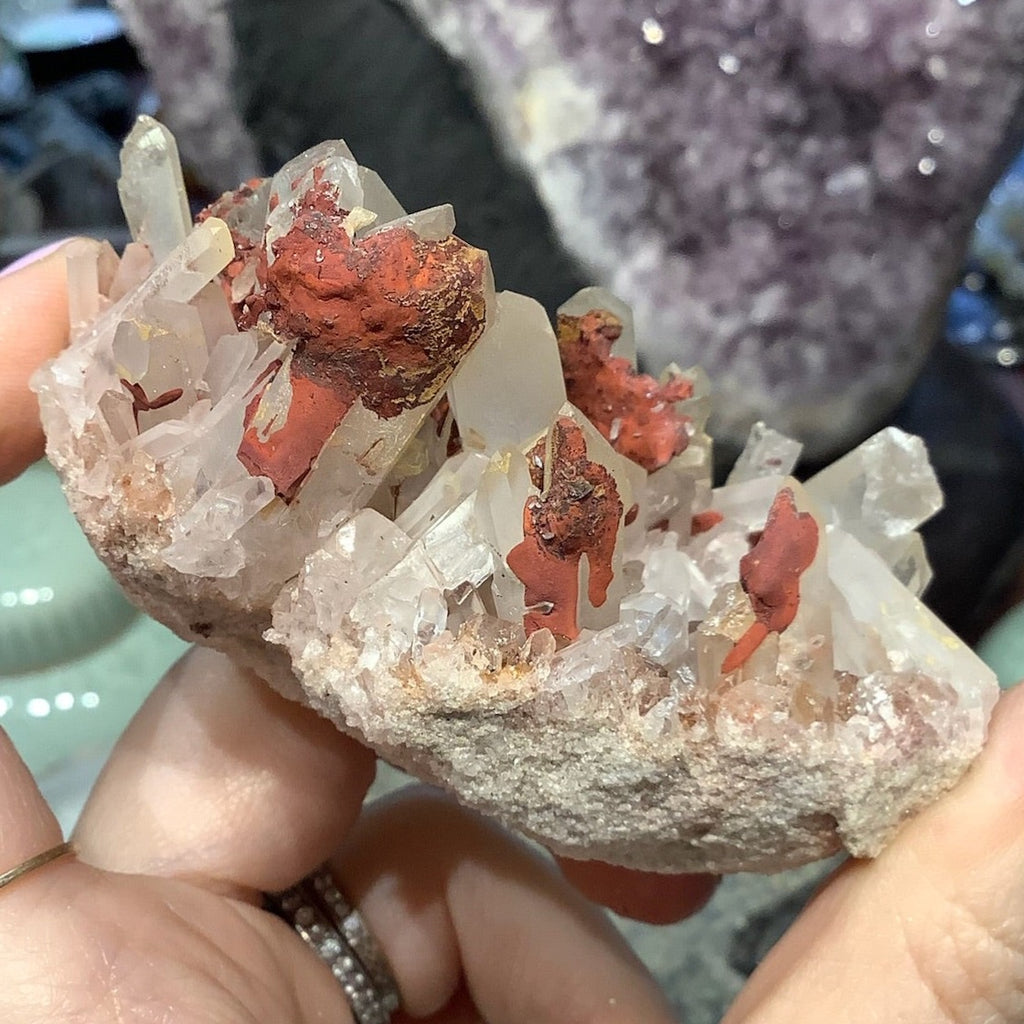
451,897
221,780
641,895
933,929
27,825
33,327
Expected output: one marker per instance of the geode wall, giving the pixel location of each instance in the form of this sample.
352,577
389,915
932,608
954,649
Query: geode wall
782,189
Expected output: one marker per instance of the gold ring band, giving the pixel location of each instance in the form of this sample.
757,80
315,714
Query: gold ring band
35,862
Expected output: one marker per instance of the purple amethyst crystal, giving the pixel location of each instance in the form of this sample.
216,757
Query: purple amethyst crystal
782,189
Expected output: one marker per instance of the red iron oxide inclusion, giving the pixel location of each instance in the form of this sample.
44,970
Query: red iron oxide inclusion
770,574
383,320
141,402
701,522
578,514
635,413
386,320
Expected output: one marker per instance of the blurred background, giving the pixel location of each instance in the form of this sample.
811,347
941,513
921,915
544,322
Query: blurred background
246,86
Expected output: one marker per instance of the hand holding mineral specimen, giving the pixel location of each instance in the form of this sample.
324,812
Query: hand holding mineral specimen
220,781
307,432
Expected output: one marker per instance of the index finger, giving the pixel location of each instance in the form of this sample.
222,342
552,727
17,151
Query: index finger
640,895
33,328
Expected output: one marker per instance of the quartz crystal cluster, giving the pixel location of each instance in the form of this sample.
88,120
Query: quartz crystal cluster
306,431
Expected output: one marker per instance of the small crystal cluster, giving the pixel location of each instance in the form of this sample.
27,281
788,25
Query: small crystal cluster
307,431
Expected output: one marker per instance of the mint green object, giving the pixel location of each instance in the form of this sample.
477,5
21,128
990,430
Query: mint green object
57,601
76,659
1002,647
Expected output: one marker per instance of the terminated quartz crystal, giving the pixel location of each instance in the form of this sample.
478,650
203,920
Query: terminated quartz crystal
510,387
307,433
767,453
152,188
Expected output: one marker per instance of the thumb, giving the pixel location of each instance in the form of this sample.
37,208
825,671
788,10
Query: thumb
33,328
933,930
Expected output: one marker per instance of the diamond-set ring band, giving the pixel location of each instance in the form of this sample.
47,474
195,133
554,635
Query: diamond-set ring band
38,861
337,933
324,919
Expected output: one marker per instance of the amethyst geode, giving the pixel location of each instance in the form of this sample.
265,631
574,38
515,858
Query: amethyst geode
782,189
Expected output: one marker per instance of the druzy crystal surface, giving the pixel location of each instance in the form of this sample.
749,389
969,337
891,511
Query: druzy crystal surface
306,431
782,189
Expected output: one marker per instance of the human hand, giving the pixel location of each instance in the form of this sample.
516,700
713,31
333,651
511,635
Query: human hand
221,790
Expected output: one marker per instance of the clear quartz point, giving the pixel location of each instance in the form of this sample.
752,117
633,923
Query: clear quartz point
880,493
431,225
90,366
912,637
500,499
152,188
360,552
379,198
84,298
767,453
885,487
509,387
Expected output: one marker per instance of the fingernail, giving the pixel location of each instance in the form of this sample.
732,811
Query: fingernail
33,257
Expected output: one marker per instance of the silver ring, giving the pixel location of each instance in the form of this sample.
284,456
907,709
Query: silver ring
337,933
40,859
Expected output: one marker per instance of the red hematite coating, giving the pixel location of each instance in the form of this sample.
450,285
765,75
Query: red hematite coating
387,317
287,454
578,514
385,320
632,410
770,574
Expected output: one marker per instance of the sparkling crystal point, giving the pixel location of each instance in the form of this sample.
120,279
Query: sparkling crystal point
152,188
886,486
